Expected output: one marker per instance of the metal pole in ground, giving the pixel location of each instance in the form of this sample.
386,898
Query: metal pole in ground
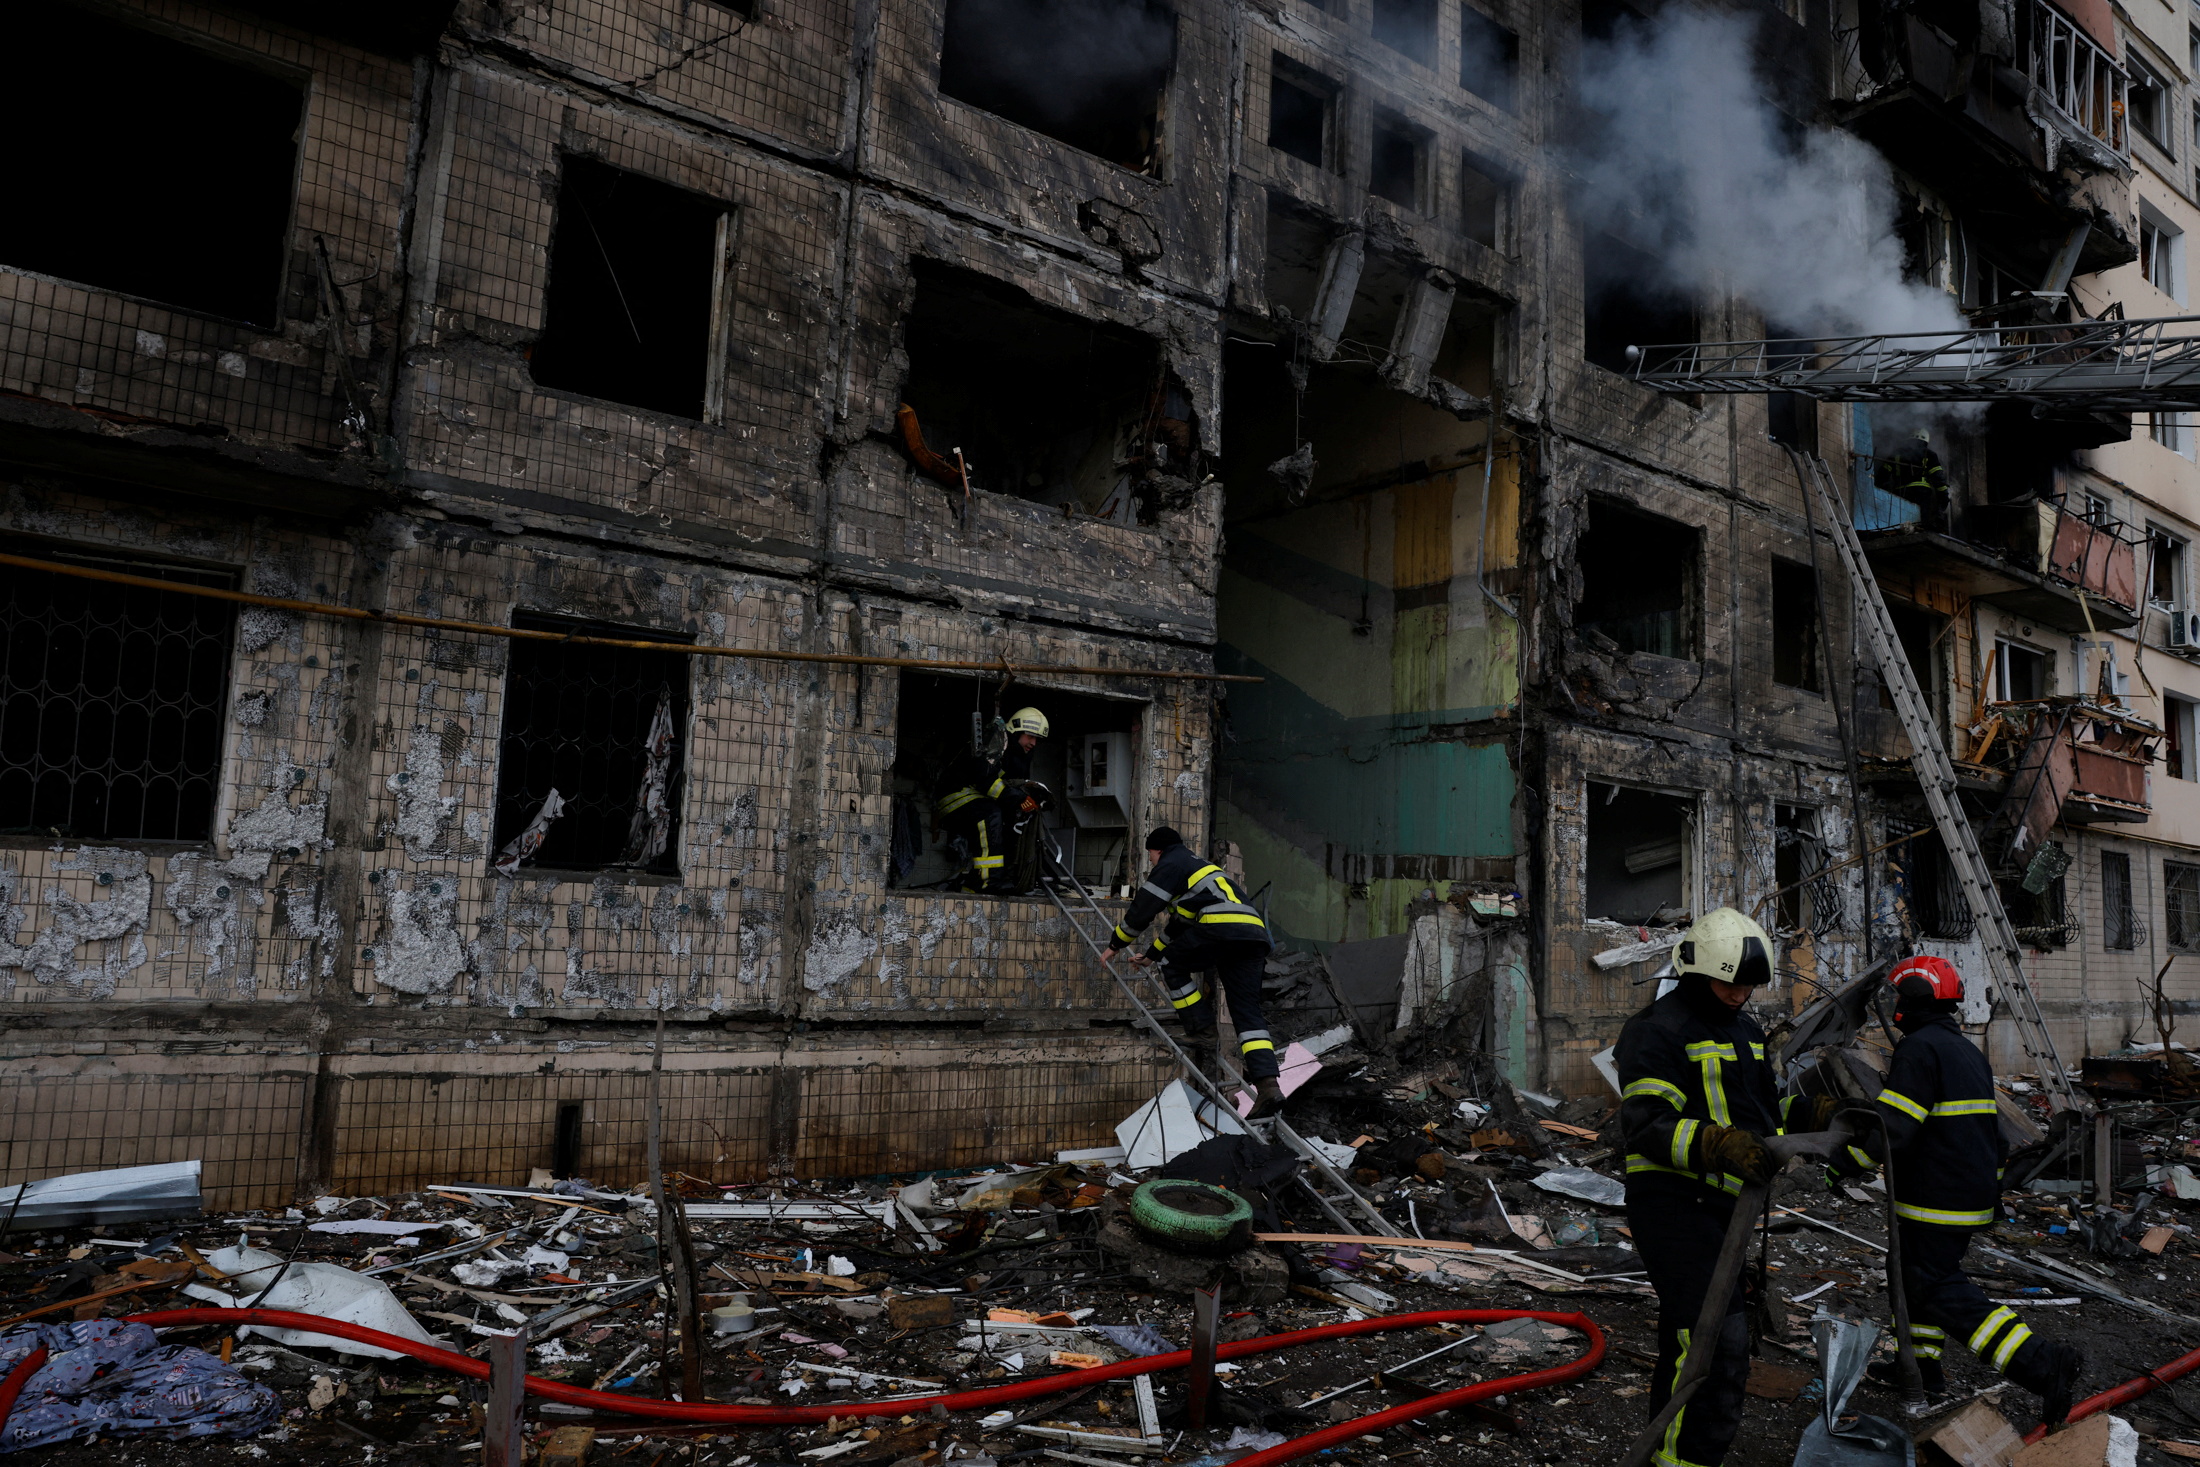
1200,1380
504,1428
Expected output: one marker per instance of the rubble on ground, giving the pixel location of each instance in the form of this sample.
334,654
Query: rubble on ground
859,1292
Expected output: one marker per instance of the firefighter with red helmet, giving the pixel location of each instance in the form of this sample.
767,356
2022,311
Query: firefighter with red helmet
1942,1127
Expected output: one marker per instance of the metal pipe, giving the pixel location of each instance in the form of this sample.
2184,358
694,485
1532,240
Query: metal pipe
525,634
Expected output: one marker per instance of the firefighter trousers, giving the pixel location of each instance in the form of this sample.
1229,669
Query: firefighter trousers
1239,966
1679,1226
1946,1305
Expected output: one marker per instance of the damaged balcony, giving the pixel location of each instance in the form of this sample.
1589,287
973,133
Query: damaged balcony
2033,558
2005,108
2049,761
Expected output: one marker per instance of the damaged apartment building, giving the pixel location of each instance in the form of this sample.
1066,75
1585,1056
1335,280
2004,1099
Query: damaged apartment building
830,358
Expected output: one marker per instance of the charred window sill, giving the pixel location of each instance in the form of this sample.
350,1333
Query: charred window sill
586,877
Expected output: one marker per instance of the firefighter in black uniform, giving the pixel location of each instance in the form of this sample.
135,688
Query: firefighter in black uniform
1210,927
1939,1110
1915,473
1697,1099
969,799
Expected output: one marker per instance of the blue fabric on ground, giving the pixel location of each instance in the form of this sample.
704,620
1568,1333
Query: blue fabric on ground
110,1376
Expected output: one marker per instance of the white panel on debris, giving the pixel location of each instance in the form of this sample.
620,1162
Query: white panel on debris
1171,1123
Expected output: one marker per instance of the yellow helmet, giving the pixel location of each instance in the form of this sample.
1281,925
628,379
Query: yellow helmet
1028,721
1728,946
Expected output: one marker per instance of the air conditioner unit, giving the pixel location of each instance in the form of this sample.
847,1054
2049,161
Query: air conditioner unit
2184,629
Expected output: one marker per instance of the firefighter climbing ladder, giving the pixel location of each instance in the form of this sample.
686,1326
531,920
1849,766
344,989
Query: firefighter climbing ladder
1344,1204
1936,775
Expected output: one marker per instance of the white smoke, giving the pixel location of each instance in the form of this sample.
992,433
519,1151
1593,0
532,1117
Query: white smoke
1685,158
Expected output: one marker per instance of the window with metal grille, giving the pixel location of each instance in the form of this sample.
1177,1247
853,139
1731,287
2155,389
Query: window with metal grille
2119,921
2181,906
590,758
111,701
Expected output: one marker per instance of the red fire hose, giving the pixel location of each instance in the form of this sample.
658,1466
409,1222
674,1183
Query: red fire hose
702,1413
2130,1390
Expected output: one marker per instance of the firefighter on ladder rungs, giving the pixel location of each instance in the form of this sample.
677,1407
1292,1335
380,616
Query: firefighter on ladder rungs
1210,927
1941,1119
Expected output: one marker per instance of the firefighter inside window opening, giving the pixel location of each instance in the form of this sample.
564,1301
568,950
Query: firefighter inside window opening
1915,473
989,808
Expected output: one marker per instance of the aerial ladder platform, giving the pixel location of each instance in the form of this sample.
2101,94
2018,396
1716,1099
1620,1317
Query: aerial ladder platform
2083,366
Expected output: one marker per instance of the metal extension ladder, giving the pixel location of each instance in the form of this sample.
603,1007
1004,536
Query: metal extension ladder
1937,776
1341,1202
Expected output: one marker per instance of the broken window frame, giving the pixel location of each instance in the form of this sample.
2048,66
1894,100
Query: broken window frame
264,301
1813,670
2161,252
1420,139
1688,623
2180,907
1502,184
2178,753
1153,165
1420,46
2120,925
1798,853
1658,302
2166,558
1287,73
1600,792
515,810
190,722
718,319
2005,688
1507,57
2146,102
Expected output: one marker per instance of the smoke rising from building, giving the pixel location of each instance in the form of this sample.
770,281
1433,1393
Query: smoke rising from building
1681,155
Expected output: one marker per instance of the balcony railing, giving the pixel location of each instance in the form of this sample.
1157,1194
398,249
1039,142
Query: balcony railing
2082,81
2067,759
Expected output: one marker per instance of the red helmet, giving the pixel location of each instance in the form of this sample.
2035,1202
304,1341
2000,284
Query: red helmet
1927,978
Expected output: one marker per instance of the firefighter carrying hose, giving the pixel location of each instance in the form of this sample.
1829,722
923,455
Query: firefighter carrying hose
1939,1110
1697,1099
972,794
1210,927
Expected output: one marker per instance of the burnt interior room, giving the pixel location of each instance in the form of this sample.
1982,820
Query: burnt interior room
1090,73
578,720
1798,852
1302,109
1638,580
1489,54
1044,405
1626,302
1637,848
627,311
203,219
1086,763
1796,659
1397,167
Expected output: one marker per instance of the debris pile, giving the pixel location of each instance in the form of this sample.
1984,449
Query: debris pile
856,1296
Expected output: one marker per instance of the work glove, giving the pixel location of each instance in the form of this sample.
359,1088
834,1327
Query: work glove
1812,1113
1737,1152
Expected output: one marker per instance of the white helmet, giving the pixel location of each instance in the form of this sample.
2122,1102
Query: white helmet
1728,946
1028,721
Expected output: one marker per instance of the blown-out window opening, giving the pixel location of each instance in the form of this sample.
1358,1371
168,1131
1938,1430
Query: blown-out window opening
591,754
